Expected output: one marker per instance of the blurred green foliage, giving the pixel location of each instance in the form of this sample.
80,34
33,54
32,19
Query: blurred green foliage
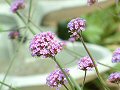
102,27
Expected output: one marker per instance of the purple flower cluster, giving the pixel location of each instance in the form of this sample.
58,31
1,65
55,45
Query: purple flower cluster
91,2
75,26
85,63
116,56
14,35
114,77
56,78
16,5
46,45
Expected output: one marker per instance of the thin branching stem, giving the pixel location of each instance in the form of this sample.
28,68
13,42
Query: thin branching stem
84,79
14,29
65,87
96,69
8,86
13,59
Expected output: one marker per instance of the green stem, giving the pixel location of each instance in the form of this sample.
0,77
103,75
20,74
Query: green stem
65,87
115,69
30,8
13,59
60,66
84,79
19,28
77,86
25,23
96,69
8,85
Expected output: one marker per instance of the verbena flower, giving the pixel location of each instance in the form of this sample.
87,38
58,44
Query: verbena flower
116,56
75,26
85,63
114,77
16,5
56,78
14,35
91,2
46,45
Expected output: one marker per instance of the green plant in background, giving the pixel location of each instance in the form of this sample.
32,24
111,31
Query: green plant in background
102,25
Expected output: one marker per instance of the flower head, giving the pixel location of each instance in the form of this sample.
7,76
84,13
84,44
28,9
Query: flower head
114,77
14,35
56,78
75,26
91,2
46,45
116,56
85,63
16,5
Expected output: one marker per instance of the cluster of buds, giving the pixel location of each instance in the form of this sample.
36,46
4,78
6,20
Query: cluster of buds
75,26
17,4
85,63
116,56
114,78
57,78
46,45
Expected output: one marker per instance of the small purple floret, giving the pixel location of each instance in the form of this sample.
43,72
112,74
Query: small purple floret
56,78
91,2
116,56
46,45
14,35
16,5
85,63
114,78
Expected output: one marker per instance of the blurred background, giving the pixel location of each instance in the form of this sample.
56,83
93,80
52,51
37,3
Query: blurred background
103,28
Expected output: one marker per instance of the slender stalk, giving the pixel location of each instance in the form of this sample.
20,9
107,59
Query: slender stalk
108,66
25,23
19,28
118,86
96,69
65,87
60,66
23,20
30,8
36,26
77,86
13,59
8,85
84,79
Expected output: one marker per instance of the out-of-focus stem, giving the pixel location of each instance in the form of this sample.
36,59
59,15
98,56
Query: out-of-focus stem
8,85
84,79
96,69
65,87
